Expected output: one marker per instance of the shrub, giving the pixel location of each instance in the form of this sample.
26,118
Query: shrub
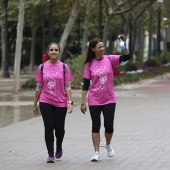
130,67
31,83
165,57
76,65
150,63
128,78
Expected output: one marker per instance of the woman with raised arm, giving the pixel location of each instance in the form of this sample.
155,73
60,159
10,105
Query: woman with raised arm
98,82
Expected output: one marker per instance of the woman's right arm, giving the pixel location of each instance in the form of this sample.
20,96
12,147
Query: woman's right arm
83,107
84,93
36,97
86,85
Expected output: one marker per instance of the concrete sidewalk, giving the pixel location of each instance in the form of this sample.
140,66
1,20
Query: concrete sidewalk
141,138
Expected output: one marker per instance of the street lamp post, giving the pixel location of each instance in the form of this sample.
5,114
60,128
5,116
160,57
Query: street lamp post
159,27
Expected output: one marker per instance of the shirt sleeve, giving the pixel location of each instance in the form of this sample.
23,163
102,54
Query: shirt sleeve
115,60
124,58
68,76
86,84
39,75
86,73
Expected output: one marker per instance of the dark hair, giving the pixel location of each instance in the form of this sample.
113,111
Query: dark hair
53,43
90,53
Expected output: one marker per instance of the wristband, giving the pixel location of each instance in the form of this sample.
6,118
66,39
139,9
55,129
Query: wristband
70,102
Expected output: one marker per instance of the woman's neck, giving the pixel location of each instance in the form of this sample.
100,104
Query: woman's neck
53,61
99,57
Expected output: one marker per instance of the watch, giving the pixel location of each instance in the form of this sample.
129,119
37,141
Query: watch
70,102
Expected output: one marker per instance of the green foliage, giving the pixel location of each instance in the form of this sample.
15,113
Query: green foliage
13,10
37,13
76,65
150,62
130,67
129,78
29,84
165,56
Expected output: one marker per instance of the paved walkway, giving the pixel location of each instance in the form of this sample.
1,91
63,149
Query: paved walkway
141,139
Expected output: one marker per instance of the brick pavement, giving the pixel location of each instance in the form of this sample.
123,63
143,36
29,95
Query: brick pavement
141,138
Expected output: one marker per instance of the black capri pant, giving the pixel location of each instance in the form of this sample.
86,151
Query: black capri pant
108,111
54,119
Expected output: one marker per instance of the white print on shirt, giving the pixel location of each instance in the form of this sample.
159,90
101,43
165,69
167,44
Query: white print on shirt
51,81
100,71
51,84
103,79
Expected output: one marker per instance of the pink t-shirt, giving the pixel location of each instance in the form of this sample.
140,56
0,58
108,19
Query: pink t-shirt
53,83
100,72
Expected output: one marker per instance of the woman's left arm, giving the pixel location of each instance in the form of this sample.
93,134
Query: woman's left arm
126,55
70,102
126,51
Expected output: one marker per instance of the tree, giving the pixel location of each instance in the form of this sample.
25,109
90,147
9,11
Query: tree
86,28
4,39
12,30
122,8
150,31
34,19
112,9
73,15
18,48
134,20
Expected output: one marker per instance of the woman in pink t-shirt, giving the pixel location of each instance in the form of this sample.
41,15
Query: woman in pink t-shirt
53,92
98,80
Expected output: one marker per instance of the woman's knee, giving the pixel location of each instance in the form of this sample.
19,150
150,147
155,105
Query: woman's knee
59,129
109,129
49,127
95,128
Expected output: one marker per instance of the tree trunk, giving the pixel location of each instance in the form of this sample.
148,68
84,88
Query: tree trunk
150,32
3,32
135,42
106,30
43,39
86,28
130,37
4,39
73,15
141,40
18,48
126,28
100,18
32,54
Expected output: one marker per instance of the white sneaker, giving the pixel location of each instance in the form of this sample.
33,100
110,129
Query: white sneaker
110,151
96,157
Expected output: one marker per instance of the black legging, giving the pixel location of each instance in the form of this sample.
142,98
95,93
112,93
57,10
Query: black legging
54,119
108,111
